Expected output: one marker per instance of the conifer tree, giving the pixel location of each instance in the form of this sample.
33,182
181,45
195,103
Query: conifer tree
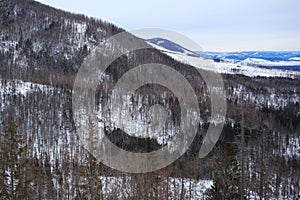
226,176
13,181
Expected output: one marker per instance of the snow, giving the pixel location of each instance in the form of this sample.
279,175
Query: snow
295,58
160,42
192,189
185,51
293,148
232,68
20,87
37,46
274,99
267,63
80,27
242,68
6,46
137,124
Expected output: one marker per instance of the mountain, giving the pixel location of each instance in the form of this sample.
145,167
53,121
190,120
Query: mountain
262,59
274,59
41,156
252,64
266,55
42,43
170,45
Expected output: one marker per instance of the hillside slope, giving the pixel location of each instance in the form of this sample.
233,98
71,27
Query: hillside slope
42,49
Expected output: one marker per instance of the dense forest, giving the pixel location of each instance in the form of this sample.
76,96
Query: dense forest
42,49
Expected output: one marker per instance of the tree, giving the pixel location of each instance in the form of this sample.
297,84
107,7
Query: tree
226,175
3,175
89,183
13,181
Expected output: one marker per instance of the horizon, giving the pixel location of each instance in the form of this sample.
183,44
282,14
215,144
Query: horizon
217,26
165,38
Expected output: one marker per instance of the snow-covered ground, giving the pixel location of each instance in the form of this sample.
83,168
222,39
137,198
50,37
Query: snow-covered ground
273,99
20,87
125,187
295,58
267,63
232,67
292,148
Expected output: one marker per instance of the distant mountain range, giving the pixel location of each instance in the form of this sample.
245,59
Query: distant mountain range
275,59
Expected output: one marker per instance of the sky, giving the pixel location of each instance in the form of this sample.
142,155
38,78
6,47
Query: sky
216,25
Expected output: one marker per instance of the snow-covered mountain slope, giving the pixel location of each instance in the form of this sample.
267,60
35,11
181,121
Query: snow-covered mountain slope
39,43
171,46
266,55
42,48
263,62
275,59
248,67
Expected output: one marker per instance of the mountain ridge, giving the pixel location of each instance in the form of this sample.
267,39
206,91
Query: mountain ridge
41,51
170,45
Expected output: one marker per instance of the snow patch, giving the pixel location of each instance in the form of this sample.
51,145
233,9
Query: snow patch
295,58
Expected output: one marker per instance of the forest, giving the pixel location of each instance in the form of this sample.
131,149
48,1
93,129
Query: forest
41,51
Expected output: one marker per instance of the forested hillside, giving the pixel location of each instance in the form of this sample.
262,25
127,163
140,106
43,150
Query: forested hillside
42,49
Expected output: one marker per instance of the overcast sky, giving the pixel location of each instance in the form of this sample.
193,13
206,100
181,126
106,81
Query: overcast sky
216,25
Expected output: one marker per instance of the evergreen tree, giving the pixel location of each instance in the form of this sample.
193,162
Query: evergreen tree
226,176
13,181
